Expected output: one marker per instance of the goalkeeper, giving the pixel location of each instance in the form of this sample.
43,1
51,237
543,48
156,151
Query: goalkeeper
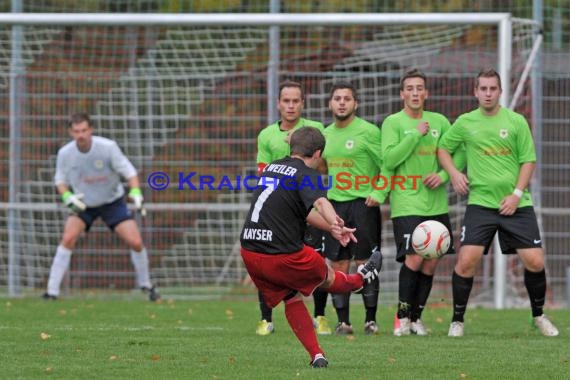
88,178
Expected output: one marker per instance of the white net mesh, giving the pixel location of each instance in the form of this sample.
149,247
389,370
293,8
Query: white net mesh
189,99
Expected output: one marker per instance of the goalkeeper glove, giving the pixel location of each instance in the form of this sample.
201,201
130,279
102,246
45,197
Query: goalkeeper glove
136,195
73,201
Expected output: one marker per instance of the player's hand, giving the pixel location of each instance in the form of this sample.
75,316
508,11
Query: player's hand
509,205
371,202
423,128
344,235
339,221
460,183
432,181
73,201
135,194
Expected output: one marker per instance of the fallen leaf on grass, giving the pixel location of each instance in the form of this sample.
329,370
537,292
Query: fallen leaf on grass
113,357
49,369
155,358
391,359
232,360
229,313
44,336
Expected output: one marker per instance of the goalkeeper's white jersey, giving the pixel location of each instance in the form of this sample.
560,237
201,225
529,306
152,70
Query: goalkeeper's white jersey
96,174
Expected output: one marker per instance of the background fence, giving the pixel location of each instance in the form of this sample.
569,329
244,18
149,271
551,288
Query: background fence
192,99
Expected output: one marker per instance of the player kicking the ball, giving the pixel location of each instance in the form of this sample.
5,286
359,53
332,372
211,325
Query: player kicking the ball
88,179
282,267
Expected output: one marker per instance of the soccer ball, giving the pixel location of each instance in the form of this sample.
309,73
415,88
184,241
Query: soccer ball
431,239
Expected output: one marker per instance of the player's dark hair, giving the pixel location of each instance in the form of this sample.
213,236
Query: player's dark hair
305,141
290,83
341,86
488,73
79,117
413,73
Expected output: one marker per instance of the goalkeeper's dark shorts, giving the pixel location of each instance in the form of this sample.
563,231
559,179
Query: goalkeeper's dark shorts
112,214
517,231
277,276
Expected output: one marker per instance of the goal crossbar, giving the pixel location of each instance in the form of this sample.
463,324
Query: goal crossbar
242,19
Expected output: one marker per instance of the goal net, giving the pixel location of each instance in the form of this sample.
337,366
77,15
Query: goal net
186,97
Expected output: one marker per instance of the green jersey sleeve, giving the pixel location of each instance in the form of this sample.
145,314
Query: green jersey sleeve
396,149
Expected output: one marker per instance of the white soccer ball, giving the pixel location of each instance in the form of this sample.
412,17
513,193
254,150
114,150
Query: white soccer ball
431,239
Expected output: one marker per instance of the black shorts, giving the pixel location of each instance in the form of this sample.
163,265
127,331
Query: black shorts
404,227
315,238
516,231
112,214
367,222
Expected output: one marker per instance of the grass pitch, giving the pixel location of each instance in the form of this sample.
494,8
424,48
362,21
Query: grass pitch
136,339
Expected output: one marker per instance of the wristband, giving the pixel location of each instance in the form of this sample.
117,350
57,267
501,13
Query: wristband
135,191
66,195
518,193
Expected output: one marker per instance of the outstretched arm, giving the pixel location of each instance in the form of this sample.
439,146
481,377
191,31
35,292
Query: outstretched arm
325,218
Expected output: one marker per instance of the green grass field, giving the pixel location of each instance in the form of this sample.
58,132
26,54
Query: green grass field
136,339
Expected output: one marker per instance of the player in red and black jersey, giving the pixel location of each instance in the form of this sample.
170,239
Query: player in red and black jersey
282,267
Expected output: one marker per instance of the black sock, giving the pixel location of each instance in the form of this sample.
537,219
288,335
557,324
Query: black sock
343,315
423,289
320,297
461,288
535,283
266,311
406,289
370,297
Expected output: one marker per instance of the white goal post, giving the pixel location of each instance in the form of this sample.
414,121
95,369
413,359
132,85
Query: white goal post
502,21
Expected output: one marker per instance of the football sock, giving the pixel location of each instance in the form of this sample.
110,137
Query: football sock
344,283
266,311
406,289
140,262
320,297
461,288
423,289
302,325
535,283
58,268
370,298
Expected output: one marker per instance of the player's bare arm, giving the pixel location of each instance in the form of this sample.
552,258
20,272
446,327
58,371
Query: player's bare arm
458,180
510,203
324,217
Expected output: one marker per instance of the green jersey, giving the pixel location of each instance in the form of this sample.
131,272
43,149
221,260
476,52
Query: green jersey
271,144
412,156
496,147
354,150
